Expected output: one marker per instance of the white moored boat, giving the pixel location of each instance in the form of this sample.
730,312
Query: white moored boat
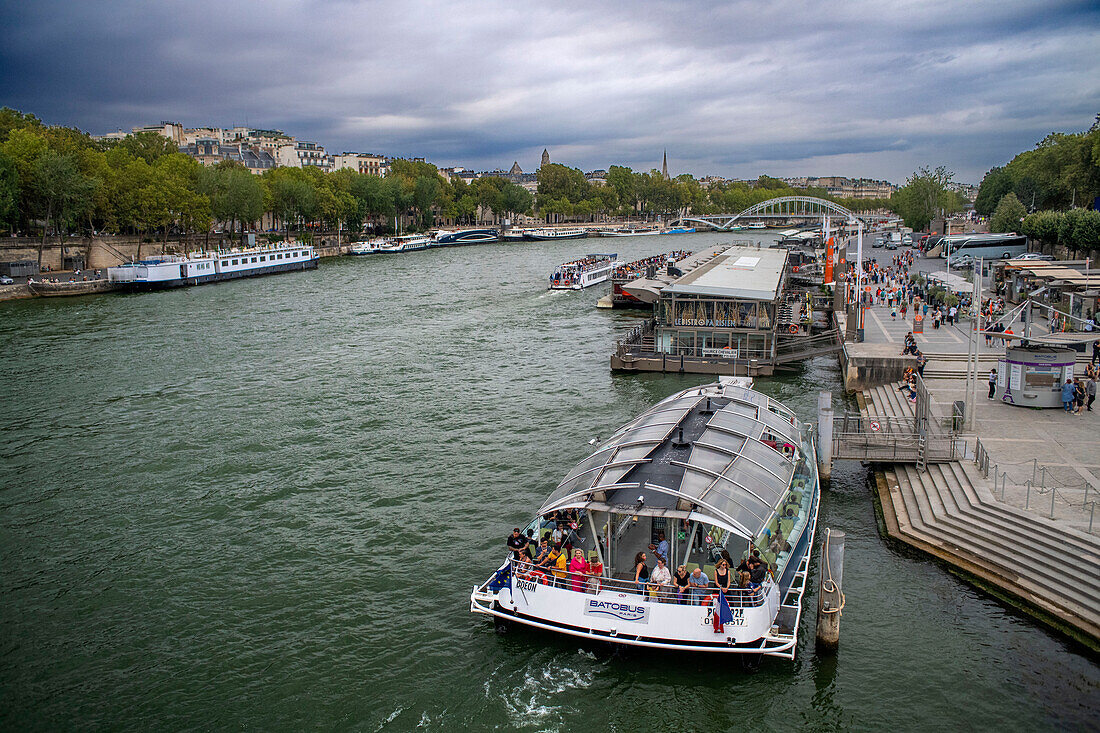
719,470
368,246
406,243
579,274
556,233
173,271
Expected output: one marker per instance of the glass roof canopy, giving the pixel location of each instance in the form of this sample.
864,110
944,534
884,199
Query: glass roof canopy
730,476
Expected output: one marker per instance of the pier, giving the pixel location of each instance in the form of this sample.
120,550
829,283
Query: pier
1007,495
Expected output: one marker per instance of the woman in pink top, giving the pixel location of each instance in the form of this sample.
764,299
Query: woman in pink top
578,566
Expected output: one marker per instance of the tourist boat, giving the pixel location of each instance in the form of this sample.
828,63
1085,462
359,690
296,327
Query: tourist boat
406,243
629,271
552,233
756,225
514,235
444,238
173,271
679,230
630,232
714,468
579,274
368,246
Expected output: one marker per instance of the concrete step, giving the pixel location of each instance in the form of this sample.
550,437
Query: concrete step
980,497
998,556
1013,547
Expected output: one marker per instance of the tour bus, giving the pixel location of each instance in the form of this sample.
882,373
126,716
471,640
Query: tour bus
986,246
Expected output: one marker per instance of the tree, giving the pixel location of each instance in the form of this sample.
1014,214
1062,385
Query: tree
515,199
994,186
149,146
1006,217
9,191
924,197
235,194
557,181
62,193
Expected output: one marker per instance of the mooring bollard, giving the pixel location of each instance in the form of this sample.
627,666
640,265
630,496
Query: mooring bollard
830,595
825,433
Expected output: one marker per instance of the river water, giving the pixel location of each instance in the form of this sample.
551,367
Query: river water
262,505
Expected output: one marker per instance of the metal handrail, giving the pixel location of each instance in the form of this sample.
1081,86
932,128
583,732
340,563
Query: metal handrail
592,584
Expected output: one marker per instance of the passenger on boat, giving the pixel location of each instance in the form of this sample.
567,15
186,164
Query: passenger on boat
517,543
698,582
641,572
662,546
660,577
578,566
681,579
543,556
722,576
595,571
558,534
558,565
758,571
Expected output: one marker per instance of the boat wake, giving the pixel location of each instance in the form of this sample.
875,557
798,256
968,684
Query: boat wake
533,701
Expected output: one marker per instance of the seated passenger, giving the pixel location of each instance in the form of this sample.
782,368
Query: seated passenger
641,572
758,571
542,558
661,577
680,579
558,565
698,582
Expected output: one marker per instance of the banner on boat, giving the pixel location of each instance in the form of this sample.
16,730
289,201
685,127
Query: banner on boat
614,609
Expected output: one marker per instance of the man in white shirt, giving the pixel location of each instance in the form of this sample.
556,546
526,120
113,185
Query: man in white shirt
660,576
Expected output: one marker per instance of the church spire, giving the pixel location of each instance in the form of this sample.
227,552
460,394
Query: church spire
545,157
664,166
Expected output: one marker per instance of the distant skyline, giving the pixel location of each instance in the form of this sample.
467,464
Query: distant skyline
737,89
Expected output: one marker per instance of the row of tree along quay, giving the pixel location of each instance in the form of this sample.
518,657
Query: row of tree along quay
1042,192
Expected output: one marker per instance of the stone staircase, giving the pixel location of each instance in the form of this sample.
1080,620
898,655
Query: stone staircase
949,511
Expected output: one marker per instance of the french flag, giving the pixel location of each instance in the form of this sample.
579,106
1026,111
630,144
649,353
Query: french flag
722,613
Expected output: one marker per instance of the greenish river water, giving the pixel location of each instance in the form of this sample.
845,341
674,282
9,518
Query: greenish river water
262,505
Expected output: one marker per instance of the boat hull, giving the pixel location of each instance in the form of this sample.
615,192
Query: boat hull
143,287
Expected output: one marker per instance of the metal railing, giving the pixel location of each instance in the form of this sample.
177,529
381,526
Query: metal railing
1074,495
594,584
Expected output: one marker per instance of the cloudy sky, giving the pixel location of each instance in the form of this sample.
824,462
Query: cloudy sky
853,88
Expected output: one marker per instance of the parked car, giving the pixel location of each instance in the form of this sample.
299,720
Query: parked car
5,280
877,243
1034,256
960,261
891,244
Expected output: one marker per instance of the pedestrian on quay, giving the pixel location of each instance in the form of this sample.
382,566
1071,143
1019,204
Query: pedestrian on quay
992,382
921,361
1078,395
1090,393
893,313
1067,396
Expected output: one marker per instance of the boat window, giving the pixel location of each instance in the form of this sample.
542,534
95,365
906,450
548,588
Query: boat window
263,258
225,263
235,262
254,259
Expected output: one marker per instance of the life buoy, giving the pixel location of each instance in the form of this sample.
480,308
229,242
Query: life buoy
792,328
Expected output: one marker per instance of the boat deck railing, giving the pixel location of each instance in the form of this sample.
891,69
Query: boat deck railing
654,593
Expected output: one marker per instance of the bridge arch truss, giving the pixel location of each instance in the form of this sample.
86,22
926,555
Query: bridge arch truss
784,207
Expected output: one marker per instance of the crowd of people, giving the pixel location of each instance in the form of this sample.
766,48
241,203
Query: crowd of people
1078,394
554,558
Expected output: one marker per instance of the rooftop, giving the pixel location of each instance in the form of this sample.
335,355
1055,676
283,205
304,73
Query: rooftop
738,272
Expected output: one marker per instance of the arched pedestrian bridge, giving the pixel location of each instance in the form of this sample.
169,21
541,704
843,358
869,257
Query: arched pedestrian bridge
785,208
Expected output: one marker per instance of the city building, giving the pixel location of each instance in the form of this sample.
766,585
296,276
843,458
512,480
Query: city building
368,163
303,154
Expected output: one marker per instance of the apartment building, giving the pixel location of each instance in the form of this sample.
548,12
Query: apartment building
368,163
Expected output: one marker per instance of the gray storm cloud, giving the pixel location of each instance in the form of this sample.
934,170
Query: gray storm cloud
734,88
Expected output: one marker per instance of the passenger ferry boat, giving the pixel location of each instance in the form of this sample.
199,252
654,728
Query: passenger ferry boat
629,231
514,235
579,274
368,247
679,230
550,233
714,468
465,236
200,268
406,243
630,271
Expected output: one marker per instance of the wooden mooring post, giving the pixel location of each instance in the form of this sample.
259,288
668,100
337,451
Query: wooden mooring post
830,593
